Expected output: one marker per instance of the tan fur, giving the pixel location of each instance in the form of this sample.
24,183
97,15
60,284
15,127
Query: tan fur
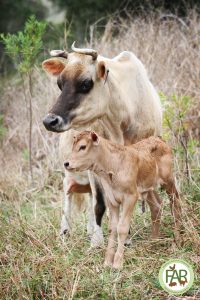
125,173
127,104
122,100
73,71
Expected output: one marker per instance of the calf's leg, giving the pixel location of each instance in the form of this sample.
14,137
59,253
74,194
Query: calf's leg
113,221
155,205
175,205
123,227
166,173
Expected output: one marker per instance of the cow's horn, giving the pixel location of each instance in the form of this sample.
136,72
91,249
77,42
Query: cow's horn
59,53
91,52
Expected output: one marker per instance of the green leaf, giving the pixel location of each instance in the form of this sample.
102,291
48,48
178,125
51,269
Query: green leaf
24,47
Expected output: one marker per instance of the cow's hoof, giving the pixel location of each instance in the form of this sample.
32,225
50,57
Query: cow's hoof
96,243
65,227
90,230
128,242
89,237
65,232
97,239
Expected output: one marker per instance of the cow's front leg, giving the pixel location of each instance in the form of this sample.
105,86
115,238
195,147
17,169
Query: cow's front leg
98,210
91,217
66,225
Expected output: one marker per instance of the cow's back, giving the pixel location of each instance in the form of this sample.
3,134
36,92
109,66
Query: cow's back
141,102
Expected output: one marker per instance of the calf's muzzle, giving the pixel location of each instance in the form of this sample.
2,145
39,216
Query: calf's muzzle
66,164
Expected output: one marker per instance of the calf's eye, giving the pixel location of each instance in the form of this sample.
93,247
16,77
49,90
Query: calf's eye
83,147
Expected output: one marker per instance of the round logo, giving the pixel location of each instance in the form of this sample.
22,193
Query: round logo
176,276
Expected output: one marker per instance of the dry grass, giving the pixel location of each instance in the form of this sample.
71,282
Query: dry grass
35,263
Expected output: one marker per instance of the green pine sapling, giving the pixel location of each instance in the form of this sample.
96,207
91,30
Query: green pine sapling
23,48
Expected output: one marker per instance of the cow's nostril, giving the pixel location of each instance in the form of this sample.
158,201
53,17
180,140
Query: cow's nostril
66,164
54,121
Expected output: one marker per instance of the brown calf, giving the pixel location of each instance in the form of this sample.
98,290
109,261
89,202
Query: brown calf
125,173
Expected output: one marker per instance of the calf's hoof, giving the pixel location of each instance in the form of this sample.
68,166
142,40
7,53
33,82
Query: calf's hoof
154,236
109,258
178,239
117,265
108,263
118,262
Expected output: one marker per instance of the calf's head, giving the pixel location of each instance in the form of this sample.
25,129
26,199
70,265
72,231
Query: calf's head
84,152
80,78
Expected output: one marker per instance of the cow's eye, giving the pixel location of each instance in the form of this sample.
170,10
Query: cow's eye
82,147
85,86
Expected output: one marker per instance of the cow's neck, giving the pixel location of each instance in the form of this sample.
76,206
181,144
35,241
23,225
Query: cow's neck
112,129
116,120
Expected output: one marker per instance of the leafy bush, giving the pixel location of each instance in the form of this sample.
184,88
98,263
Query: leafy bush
176,124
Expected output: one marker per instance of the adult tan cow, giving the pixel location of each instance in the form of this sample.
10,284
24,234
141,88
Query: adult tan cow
114,95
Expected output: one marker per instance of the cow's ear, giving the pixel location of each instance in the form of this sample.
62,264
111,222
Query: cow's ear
53,66
95,138
101,70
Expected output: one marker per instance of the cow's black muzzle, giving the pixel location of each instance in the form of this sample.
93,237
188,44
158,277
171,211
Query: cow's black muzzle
53,123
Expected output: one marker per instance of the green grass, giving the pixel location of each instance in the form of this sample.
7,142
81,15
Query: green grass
35,263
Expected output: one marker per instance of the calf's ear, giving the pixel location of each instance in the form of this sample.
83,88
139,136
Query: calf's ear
53,66
95,138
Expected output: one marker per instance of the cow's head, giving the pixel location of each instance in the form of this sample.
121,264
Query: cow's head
84,152
81,80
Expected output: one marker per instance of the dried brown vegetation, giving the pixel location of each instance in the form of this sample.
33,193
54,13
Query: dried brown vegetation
34,262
